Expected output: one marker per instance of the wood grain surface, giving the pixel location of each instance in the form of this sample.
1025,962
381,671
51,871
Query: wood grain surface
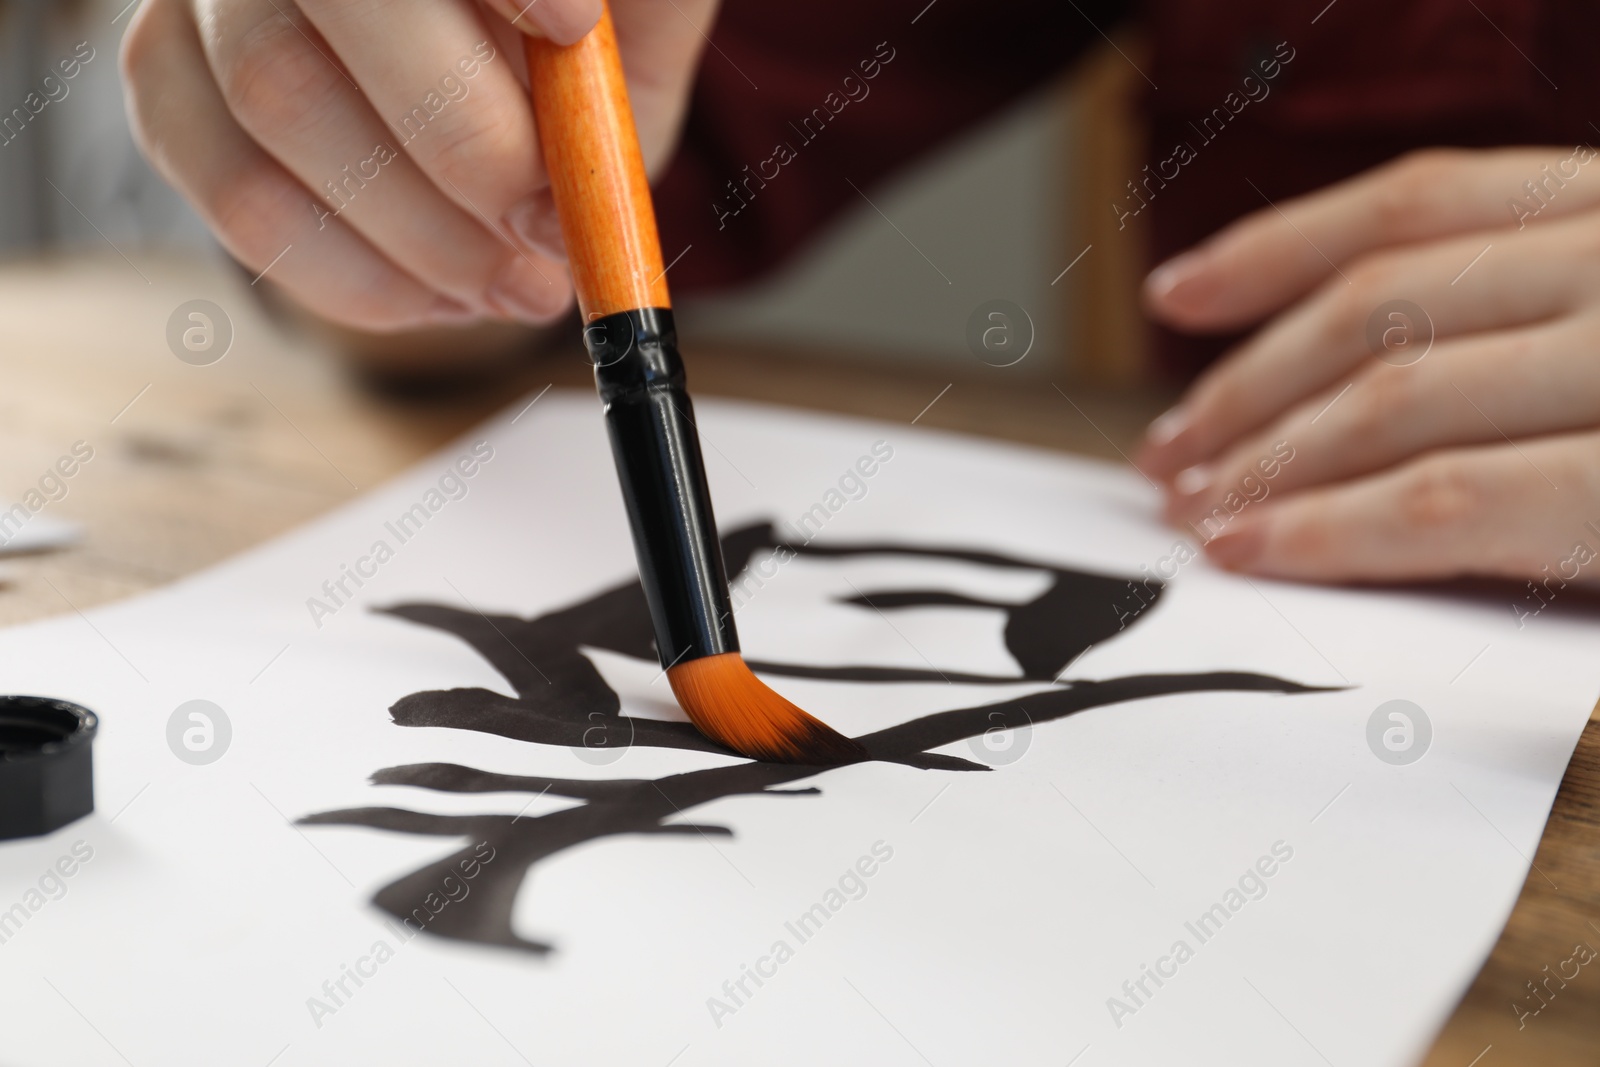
193,464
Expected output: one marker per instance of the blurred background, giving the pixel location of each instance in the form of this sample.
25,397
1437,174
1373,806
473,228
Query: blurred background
999,214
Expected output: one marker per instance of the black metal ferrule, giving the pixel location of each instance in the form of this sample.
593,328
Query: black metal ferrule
657,451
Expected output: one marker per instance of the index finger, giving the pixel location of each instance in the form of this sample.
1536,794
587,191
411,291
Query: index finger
450,96
1268,259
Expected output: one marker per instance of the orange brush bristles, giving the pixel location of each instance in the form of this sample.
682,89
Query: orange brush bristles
728,703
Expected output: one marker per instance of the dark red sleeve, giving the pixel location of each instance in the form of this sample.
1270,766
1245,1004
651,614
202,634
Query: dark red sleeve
784,116
1370,79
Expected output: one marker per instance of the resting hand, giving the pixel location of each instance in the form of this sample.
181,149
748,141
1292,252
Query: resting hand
1476,452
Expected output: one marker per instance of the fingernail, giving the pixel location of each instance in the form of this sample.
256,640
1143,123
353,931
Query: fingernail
522,294
1190,494
1162,450
562,23
1192,481
1185,280
1167,426
520,17
1239,546
536,227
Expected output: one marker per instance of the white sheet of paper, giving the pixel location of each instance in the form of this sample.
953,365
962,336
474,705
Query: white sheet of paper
1004,910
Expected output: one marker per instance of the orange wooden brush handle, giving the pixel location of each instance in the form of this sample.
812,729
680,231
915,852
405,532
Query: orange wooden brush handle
591,150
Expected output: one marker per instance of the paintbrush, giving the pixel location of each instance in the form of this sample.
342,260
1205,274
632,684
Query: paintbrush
602,196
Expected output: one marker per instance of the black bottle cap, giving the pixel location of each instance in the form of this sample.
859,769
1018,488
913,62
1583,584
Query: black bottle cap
46,769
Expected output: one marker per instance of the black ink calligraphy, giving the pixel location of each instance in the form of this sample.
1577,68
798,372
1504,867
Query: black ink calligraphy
561,696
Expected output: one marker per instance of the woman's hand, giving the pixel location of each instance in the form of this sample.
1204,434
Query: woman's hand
1429,365
378,161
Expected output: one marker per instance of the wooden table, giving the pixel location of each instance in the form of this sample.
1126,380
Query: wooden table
193,464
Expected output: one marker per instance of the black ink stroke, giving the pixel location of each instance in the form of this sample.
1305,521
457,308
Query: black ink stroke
560,696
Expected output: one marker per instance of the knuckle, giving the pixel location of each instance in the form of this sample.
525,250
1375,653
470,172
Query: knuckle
1424,166
1307,539
1372,280
475,145
1222,400
251,208
1585,231
1379,405
1441,493
1395,202
1410,185
272,79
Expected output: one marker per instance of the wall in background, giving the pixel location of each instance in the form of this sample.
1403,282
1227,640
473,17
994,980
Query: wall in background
899,277
71,173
